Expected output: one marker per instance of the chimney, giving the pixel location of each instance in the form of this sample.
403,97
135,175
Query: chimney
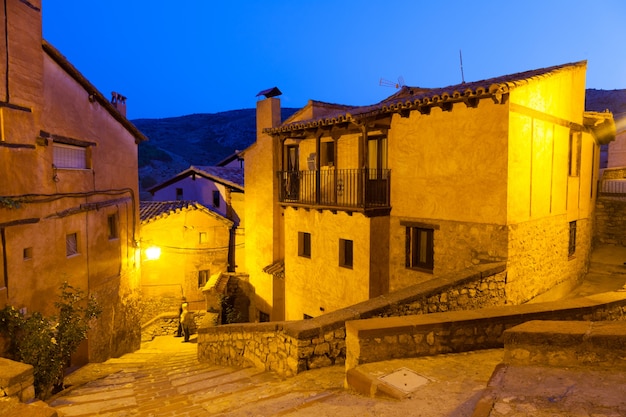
119,102
268,110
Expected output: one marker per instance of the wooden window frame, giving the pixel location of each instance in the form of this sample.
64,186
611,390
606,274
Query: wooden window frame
417,256
203,277
304,244
346,253
71,245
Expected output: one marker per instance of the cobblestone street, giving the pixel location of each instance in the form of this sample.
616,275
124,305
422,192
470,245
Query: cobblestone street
164,378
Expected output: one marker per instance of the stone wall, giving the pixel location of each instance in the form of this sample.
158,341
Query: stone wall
610,221
408,337
537,265
610,213
288,348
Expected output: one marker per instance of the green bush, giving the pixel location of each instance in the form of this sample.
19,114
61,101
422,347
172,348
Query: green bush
47,343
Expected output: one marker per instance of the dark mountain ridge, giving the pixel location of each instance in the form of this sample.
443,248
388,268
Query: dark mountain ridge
176,143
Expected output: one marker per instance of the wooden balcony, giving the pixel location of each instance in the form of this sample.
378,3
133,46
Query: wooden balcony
360,190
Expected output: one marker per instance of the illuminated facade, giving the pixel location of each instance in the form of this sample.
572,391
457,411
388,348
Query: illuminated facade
68,187
345,203
219,188
193,244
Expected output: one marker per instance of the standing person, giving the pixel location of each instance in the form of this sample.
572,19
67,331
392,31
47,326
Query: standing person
185,319
179,331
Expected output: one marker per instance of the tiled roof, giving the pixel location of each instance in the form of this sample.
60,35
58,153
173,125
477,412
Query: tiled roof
153,210
277,269
230,175
411,98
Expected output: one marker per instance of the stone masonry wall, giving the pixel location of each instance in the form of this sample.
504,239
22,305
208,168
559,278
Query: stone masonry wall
288,348
383,339
610,221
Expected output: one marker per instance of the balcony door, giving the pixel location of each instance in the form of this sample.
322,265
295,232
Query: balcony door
377,186
292,180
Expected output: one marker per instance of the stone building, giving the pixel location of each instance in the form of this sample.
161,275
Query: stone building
68,187
193,244
219,188
345,203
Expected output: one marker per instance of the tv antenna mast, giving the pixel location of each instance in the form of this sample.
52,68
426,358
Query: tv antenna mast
461,59
386,83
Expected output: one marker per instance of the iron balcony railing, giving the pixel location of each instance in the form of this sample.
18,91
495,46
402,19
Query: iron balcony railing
336,188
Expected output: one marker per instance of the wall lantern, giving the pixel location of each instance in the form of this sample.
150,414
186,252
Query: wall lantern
153,253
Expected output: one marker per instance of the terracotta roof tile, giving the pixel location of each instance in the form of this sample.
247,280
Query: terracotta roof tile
227,174
413,97
153,210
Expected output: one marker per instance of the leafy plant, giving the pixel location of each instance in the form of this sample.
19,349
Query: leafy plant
47,343
9,203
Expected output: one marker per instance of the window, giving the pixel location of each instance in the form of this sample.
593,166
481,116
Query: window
203,237
572,239
69,156
28,253
71,244
419,248
113,227
327,151
179,194
306,317
216,198
304,244
377,155
203,277
574,153
263,317
345,253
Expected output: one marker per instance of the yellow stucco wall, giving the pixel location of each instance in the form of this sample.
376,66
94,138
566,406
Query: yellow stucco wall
263,215
450,165
543,197
319,282
56,105
175,274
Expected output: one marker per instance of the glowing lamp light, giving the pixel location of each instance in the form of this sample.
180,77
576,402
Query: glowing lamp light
153,253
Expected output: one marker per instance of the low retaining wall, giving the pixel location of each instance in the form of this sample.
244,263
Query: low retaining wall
567,344
16,380
288,348
381,339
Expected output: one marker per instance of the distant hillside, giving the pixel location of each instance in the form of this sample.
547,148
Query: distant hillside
176,143
601,100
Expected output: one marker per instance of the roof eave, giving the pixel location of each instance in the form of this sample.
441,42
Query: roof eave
92,91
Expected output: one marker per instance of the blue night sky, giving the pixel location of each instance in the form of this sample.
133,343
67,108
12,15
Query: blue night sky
206,56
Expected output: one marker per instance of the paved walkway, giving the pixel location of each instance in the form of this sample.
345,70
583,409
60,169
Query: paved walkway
164,378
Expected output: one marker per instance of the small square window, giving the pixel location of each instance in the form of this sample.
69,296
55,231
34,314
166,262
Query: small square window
203,237
28,253
304,244
71,244
203,277
345,253
419,248
112,225
216,198
179,194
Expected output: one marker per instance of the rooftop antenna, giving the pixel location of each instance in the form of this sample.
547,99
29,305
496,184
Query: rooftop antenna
386,83
461,59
